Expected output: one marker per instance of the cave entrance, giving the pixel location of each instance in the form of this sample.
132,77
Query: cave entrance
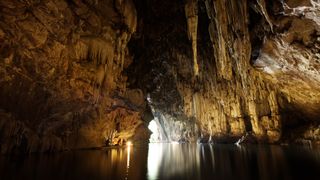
157,132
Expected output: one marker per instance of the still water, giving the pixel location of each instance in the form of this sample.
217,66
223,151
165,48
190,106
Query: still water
168,161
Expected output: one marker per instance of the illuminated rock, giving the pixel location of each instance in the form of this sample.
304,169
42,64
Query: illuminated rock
191,10
77,74
61,80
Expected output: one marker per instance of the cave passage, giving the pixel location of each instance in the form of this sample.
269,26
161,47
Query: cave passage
77,74
156,135
159,89
167,161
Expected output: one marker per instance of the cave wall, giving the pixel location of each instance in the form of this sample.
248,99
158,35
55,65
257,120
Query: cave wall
61,79
289,59
85,73
234,98
226,98
233,86
280,85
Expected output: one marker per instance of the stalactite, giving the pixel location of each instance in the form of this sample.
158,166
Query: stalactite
101,52
263,9
191,11
78,66
231,92
123,40
60,56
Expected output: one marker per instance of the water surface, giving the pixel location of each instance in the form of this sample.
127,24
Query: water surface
168,161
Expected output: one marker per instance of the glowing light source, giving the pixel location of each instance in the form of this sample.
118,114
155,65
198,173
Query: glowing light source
155,136
153,126
129,143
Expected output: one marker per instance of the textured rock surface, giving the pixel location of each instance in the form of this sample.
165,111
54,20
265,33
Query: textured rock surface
79,74
61,78
228,97
289,59
191,10
239,87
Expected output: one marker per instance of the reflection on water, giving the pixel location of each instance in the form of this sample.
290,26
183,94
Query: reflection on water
190,161
168,161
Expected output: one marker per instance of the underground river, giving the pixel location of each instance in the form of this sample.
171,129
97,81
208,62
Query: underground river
168,161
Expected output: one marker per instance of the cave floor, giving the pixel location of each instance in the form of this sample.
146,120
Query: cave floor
168,161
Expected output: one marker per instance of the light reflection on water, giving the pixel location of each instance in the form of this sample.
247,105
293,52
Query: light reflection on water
191,161
168,161
172,160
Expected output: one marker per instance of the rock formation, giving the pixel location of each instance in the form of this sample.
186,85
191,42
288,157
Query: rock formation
234,92
191,10
85,73
62,85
